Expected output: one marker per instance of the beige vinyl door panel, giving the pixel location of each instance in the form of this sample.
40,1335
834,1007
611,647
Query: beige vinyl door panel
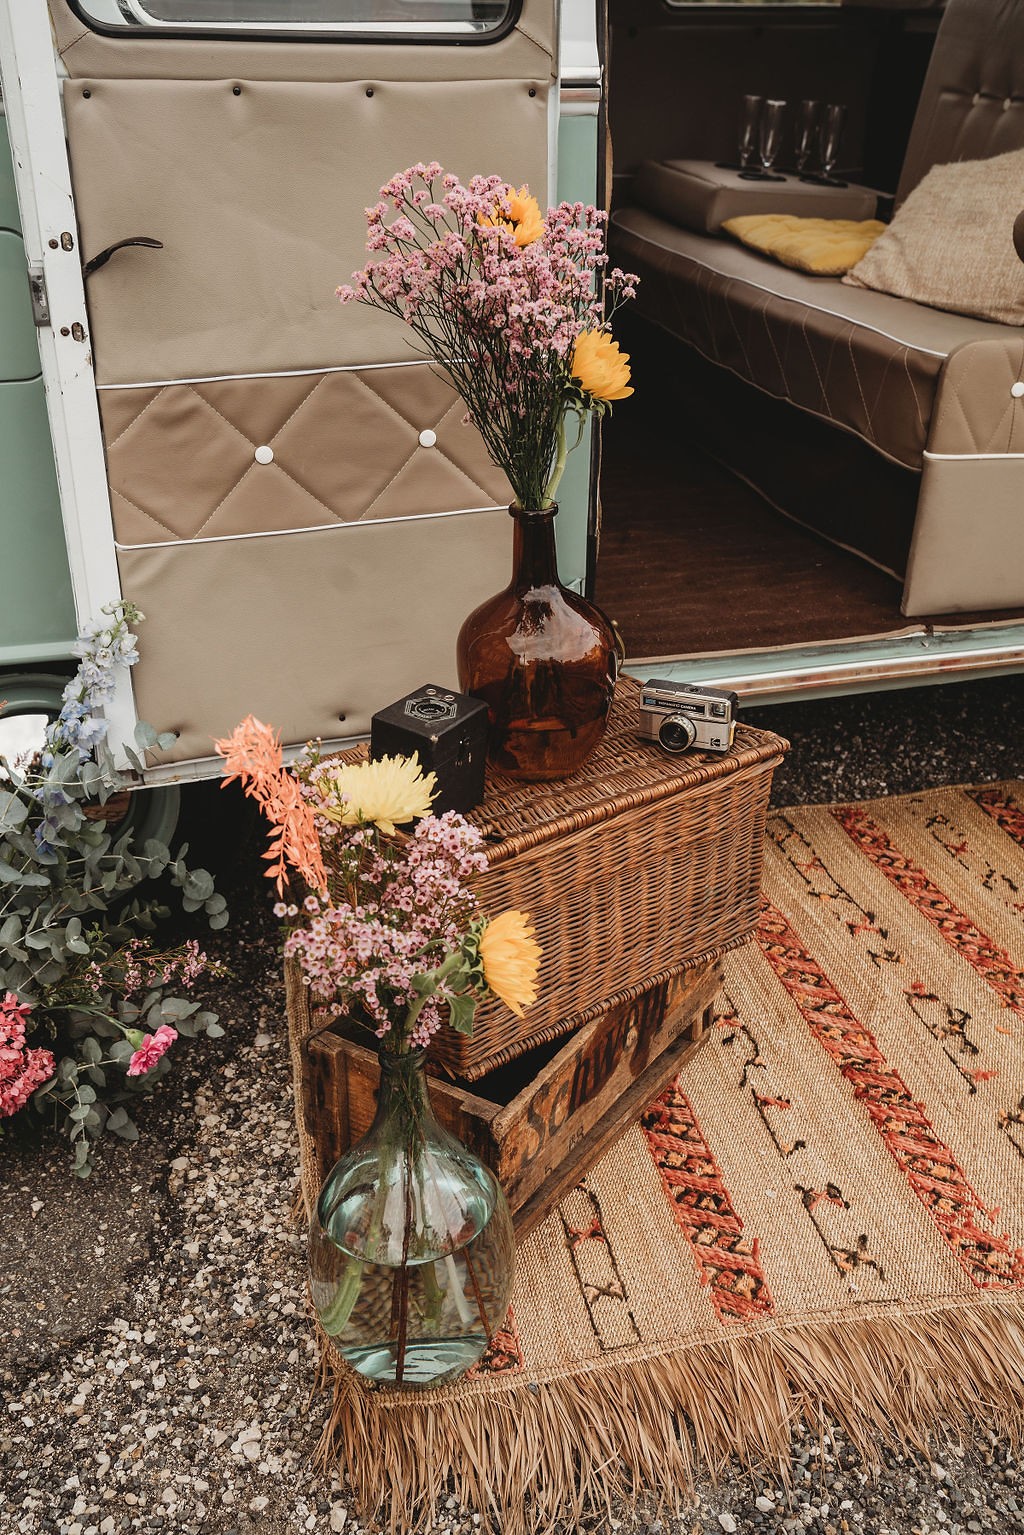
313,631
329,572
258,200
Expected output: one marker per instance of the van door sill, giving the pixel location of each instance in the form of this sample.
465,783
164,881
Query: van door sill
910,657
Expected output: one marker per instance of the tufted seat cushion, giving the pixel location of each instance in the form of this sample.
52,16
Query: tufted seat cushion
866,361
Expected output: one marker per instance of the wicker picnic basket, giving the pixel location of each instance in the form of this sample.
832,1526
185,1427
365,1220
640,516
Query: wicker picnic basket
638,866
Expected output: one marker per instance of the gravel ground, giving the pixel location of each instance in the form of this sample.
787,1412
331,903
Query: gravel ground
159,1370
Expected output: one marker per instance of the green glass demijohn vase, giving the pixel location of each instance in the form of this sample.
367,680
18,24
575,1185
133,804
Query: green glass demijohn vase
542,658
411,1246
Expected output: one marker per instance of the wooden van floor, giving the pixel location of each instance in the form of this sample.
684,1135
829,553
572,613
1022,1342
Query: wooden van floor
692,559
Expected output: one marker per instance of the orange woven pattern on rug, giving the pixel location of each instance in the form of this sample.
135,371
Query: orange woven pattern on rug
824,1214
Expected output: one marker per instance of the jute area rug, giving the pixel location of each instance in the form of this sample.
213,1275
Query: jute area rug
822,1217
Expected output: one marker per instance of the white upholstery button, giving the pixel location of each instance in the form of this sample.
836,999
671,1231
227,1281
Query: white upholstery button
975,98
427,438
264,455
1017,389
1008,103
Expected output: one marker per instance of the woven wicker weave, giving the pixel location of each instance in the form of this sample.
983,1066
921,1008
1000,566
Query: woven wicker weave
639,865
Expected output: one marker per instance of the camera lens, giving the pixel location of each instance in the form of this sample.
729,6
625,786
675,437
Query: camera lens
677,733
429,709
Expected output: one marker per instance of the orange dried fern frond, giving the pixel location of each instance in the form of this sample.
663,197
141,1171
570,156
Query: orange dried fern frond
252,755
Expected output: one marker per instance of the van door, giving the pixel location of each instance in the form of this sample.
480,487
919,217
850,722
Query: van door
294,501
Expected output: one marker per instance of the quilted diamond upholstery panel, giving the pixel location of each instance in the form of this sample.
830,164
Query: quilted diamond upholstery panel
182,464
976,410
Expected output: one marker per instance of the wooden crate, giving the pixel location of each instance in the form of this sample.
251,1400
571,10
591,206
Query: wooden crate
540,1122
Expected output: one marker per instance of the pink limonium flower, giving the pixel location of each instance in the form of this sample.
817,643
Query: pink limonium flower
150,1051
498,296
21,1070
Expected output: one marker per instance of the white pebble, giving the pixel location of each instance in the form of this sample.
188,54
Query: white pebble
765,1505
728,1523
339,1517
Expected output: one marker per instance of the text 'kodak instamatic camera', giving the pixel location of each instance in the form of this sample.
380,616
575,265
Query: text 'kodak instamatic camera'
683,717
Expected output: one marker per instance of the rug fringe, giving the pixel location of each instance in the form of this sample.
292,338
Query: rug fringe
531,1455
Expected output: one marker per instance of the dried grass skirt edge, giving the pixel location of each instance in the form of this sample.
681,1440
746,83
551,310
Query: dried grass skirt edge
532,1455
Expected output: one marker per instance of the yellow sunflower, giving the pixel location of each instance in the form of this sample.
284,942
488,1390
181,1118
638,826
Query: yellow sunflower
523,221
510,955
387,792
599,367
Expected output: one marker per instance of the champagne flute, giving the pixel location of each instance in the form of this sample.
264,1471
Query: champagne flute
771,138
750,118
832,127
807,122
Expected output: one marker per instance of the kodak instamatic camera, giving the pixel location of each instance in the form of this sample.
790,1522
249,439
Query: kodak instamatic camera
682,717
447,731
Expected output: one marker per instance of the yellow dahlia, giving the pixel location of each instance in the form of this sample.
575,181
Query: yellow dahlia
511,958
523,221
388,792
599,367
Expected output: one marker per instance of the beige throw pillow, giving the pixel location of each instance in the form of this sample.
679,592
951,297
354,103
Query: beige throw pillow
950,245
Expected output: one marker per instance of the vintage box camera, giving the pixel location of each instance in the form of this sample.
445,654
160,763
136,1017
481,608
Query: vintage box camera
447,731
681,716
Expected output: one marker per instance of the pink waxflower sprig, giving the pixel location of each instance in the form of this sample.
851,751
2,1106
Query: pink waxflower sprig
395,934
500,298
405,908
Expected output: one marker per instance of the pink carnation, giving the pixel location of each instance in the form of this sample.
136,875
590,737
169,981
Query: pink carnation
21,1070
151,1049
16,1087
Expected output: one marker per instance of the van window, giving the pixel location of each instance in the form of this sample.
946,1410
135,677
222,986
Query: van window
376,18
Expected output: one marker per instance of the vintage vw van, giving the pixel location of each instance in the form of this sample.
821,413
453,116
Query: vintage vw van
289,493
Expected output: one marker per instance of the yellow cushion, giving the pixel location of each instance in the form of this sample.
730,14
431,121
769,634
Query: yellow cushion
826,247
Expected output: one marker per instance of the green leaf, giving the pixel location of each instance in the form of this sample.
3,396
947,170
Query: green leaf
166,739
91,1051
10,932
145,735
462,1011
127,1131
80,1111
118,1117
87,1094
13,810
12,876
214,1030
219,919
121,1051
198,885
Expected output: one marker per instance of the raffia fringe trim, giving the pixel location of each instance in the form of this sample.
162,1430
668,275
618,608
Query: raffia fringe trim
530,1455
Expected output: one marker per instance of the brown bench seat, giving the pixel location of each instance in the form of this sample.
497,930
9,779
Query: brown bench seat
865,361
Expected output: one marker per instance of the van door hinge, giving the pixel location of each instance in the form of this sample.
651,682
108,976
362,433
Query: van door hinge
40,298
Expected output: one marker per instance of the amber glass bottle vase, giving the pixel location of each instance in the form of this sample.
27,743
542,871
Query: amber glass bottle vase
543,660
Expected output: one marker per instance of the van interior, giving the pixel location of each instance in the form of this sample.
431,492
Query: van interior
736,514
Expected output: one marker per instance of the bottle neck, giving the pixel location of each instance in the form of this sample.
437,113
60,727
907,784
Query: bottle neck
534,557
403,1088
